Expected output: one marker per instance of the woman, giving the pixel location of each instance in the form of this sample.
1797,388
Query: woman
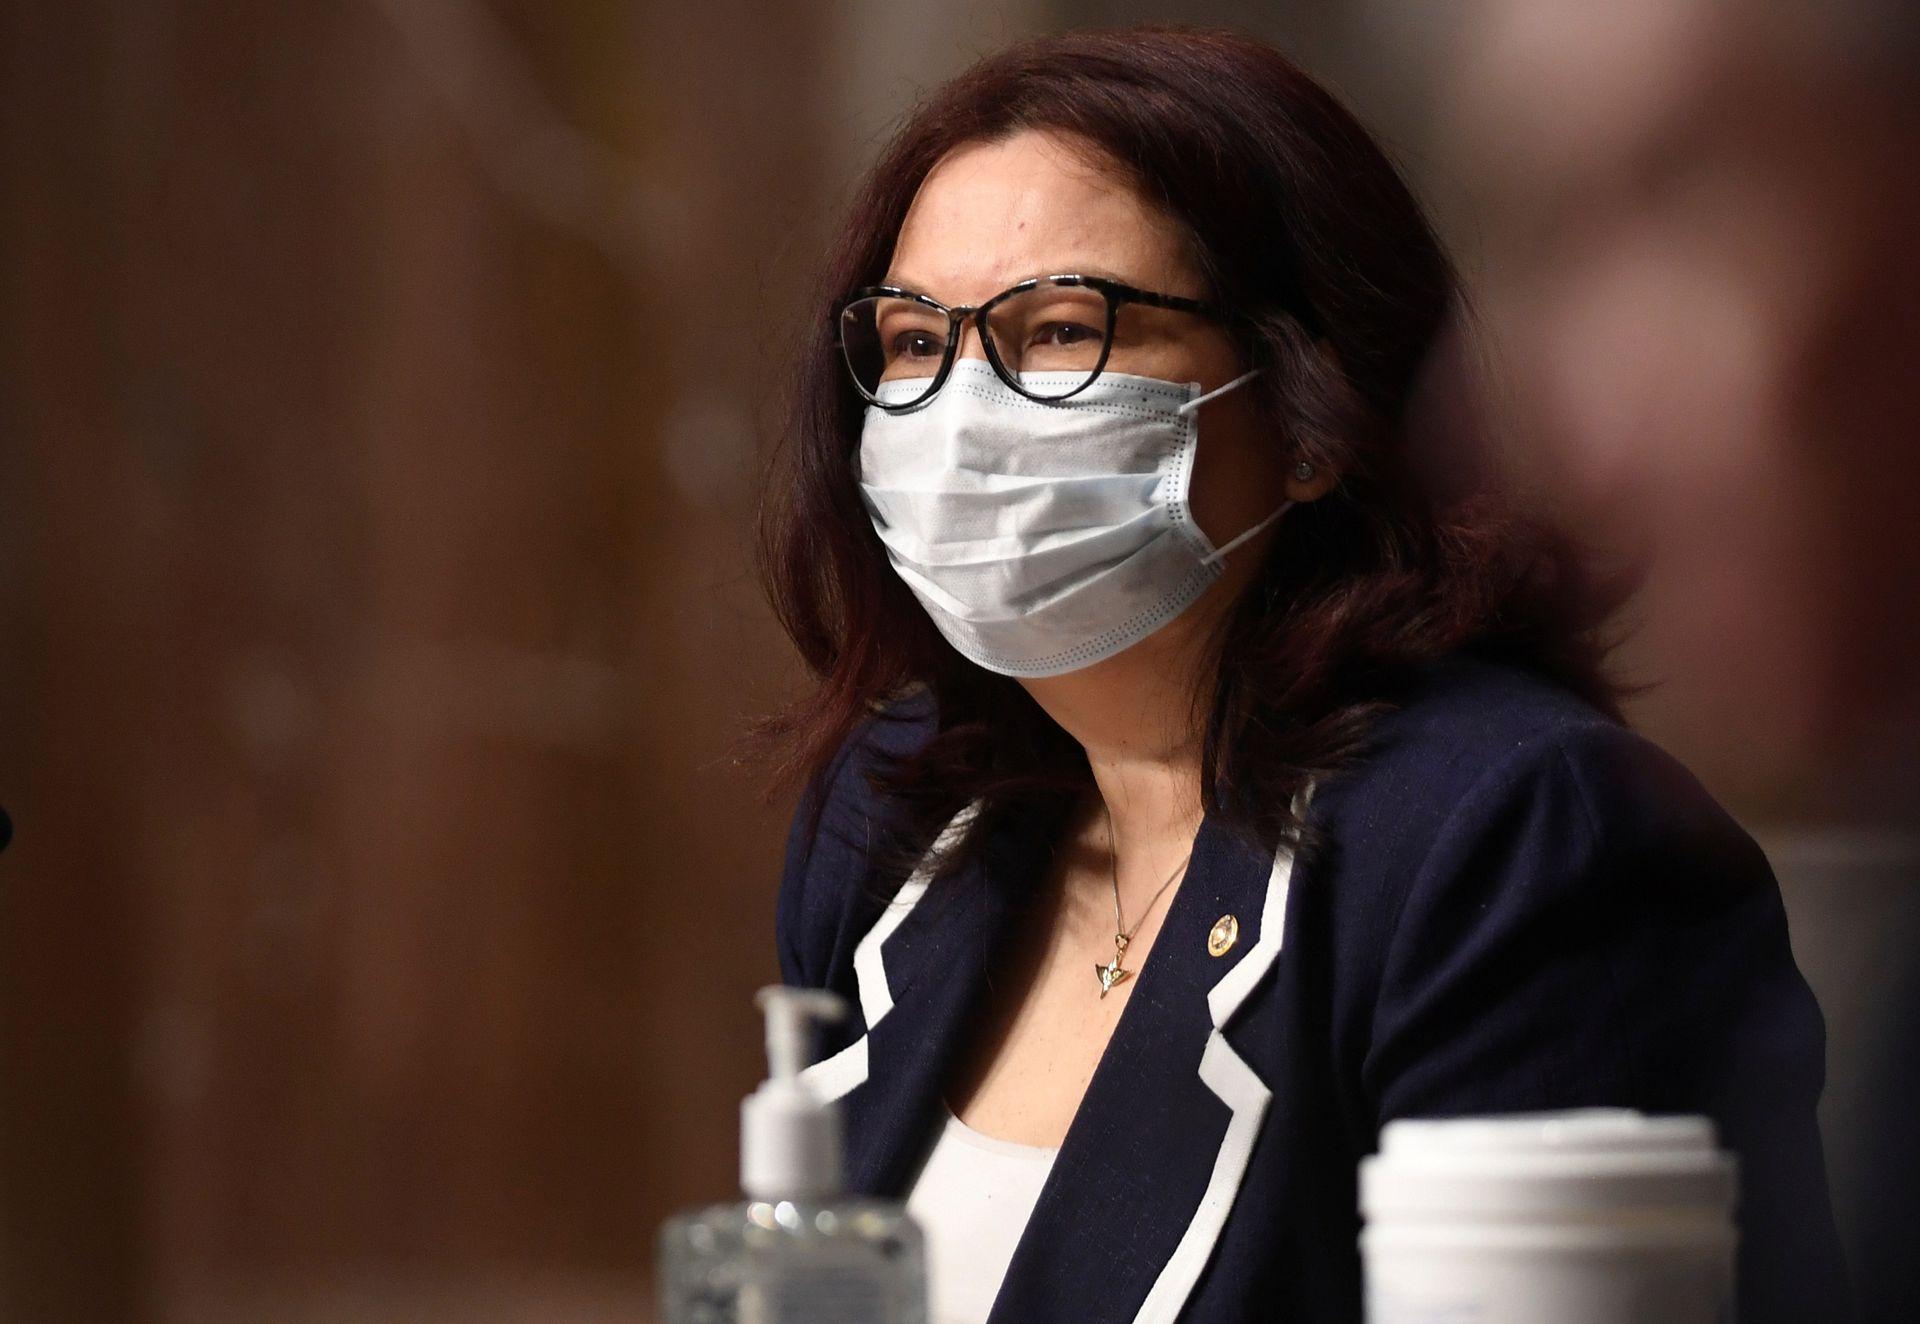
1202,771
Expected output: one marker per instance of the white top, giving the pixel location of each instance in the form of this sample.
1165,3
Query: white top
972,1198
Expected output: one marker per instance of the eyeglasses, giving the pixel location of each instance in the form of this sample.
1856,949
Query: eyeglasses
1049,337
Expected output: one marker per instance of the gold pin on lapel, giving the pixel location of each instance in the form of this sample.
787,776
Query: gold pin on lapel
1225,932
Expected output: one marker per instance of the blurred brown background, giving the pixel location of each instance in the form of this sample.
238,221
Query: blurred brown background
381,386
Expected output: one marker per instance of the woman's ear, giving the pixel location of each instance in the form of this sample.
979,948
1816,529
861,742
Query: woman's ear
1308,481
1316,399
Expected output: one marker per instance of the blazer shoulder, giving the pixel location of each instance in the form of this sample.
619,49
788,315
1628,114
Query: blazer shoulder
1502,817
1478,708
832,835
1457,721
1471,747
852,814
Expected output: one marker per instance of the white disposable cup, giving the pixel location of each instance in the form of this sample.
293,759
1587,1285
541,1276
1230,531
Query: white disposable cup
1594,1216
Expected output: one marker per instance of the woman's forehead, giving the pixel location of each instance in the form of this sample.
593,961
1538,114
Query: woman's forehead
992,213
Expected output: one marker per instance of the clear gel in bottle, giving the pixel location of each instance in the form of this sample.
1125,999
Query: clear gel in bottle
795,1251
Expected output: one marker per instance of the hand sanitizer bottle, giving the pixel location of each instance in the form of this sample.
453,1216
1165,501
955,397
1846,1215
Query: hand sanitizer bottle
795,1252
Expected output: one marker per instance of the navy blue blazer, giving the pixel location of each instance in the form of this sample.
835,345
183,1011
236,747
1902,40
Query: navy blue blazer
1517,904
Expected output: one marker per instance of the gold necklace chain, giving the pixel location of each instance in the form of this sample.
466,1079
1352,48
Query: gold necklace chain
1112,973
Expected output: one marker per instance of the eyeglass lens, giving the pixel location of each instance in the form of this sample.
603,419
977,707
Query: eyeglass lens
894,346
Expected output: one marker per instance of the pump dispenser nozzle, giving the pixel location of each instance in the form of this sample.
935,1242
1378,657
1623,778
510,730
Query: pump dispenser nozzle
790,1014
795,1250
789,1136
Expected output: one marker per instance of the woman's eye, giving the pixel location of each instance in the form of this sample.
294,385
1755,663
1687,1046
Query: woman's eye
913,344
1064,334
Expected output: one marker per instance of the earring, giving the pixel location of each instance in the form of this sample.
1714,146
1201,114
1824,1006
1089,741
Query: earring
1304,471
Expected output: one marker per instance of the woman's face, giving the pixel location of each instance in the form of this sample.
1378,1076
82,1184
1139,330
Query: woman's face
991,214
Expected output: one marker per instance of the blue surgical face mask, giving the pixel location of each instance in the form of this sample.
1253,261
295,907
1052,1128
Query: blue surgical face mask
1043,537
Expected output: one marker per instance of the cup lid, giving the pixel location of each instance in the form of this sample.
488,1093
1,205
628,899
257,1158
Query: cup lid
1583,1160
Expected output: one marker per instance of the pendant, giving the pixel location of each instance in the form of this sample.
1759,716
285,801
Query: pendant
1111,974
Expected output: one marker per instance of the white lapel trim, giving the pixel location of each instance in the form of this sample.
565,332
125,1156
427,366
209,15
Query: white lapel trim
1241,1089
834,1076
1225,997
831,1077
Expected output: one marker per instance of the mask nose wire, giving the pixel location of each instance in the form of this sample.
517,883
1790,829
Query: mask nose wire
1199,400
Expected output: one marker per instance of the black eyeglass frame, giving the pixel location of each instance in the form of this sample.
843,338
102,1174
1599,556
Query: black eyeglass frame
1117,293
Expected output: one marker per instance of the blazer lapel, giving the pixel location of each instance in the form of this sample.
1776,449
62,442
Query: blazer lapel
920,986
1149,1168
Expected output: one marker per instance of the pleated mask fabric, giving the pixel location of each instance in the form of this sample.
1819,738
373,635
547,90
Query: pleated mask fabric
1042,537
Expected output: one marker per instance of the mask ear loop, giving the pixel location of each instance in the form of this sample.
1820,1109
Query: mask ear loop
1220,552
1199,400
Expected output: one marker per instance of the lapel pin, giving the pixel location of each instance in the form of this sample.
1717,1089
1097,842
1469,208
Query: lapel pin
1225,932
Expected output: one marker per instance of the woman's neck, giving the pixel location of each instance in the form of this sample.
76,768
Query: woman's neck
1152,797
1136,717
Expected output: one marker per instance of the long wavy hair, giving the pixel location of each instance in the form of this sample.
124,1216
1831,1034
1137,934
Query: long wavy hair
1298,222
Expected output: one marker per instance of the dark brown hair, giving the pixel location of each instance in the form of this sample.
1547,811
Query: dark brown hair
1297,221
